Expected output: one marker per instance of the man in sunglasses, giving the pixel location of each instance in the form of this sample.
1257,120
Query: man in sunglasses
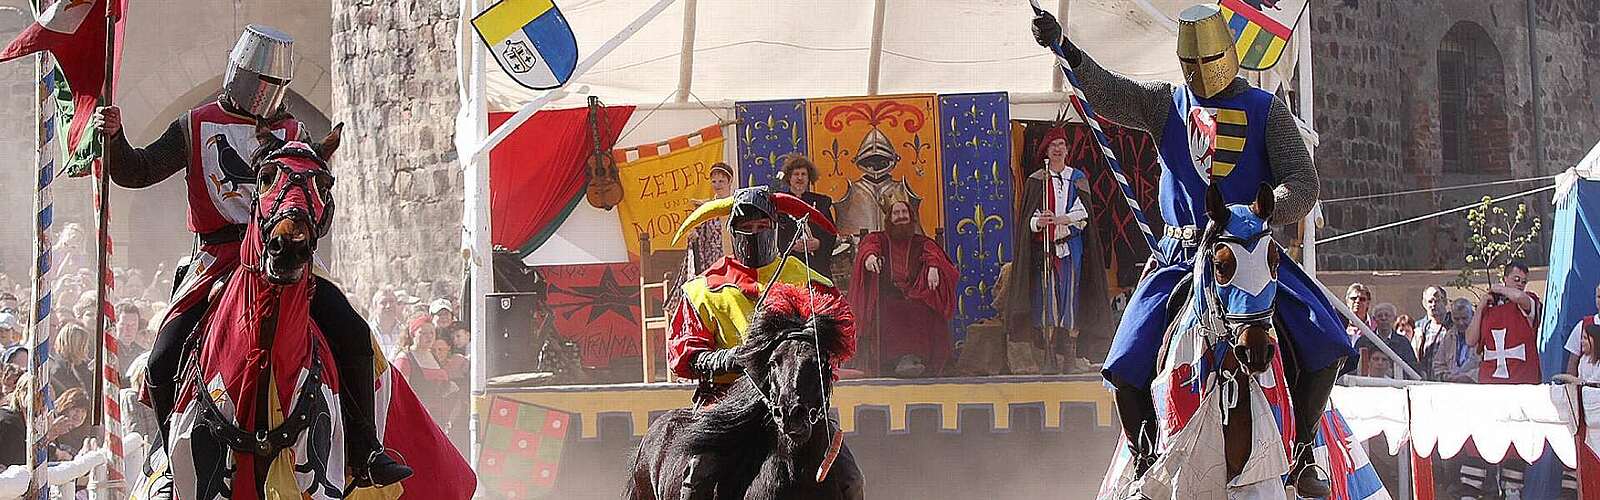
1213,130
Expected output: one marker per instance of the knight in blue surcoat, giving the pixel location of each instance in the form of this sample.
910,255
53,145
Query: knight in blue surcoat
1255,142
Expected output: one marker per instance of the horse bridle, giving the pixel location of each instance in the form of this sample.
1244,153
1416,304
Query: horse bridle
824,367
301,181
1221,321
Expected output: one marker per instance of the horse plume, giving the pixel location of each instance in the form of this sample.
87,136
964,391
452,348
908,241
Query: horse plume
789,308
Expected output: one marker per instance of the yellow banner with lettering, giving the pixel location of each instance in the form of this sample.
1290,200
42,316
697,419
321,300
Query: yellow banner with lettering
660,191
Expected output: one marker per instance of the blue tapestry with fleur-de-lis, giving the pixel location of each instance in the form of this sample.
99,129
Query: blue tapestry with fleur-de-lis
768,130
976,139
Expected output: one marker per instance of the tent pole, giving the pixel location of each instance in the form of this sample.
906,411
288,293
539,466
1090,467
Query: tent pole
875,57
1303,94
686,54
531,107
480,258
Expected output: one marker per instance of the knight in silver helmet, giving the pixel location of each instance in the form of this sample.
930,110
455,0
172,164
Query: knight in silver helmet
211,144
259,70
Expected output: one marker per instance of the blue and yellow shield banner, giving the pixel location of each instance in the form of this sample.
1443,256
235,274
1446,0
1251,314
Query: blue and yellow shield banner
531,40
1261,29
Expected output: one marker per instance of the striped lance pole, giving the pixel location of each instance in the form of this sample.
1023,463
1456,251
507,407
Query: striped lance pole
111,375
1085,110
45,157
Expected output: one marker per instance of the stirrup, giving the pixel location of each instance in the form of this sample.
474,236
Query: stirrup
1309,479
391,471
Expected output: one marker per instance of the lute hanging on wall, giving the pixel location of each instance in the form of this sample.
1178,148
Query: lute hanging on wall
605,190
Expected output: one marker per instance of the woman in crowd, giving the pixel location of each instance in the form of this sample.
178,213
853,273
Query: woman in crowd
1589,358
423,371
71,360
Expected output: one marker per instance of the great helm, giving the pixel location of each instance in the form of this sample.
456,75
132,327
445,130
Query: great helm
1205,50
759,202
258,70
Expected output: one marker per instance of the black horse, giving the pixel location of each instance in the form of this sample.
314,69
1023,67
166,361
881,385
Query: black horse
770,435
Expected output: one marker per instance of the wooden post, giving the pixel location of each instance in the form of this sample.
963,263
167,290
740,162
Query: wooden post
646,358
39,324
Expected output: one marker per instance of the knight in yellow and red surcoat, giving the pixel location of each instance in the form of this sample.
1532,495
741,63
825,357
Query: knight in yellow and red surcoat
717,305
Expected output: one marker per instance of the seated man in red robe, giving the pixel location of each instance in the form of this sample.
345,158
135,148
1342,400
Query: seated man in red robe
1506,331
904,290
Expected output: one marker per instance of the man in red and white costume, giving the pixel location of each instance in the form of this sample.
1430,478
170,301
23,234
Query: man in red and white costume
1506,330
211,145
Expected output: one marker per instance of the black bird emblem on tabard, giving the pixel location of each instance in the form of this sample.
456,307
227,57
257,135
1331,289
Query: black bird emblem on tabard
235,170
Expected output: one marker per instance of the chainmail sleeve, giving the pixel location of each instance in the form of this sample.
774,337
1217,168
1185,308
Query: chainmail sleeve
1292,167
1131,103
143,167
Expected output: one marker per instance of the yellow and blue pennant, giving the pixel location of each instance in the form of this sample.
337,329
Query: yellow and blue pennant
1261,29
531,40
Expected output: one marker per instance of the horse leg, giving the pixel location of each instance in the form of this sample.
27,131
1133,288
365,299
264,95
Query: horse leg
847,474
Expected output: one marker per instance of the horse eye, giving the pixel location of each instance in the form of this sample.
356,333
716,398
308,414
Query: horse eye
266,175
1225,264
1272,261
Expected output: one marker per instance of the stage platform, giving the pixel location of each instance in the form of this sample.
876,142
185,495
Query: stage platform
950,398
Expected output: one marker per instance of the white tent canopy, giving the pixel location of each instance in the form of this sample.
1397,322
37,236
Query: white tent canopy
745,50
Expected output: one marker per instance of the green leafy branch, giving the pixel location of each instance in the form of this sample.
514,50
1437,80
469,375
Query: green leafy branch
1497,236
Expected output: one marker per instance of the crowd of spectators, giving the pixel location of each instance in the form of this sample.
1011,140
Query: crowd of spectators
419,337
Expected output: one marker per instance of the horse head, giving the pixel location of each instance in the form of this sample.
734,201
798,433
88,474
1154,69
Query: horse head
790,353
293,206
1239,281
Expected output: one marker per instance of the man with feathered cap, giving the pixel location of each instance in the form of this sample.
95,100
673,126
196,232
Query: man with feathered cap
716,307
904,288
1214,131
1063,308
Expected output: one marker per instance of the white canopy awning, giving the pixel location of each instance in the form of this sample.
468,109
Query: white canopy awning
746,50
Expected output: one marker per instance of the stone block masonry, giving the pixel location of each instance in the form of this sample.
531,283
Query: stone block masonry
400,191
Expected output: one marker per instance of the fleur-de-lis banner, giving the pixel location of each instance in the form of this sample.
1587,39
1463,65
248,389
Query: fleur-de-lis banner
976,137
767,131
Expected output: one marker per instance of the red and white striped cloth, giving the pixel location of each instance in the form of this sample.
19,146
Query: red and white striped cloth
631,154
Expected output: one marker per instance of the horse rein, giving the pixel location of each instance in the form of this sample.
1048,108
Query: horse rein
802,228
301,181
1216,325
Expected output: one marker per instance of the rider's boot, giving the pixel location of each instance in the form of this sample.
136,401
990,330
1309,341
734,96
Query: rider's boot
699,481
1137,413
364,451
1310,395
162,398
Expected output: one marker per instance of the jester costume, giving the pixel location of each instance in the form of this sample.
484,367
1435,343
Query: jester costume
1256,142
211,145
716,307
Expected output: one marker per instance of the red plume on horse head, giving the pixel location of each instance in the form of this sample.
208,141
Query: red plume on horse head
788,307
